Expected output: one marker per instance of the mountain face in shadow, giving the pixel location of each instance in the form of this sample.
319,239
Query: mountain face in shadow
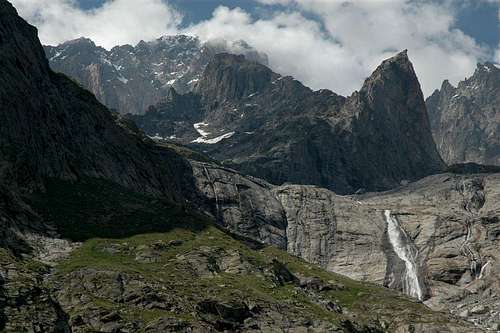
275,128
465,120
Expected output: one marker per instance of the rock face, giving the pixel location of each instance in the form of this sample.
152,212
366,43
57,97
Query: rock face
372,140
53,128
311,222
244,205
465,120
448,239
130,79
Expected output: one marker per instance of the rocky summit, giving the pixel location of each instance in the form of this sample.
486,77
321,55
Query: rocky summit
373,140
465,120
129,79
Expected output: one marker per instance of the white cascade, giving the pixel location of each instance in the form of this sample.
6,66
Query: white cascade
402,247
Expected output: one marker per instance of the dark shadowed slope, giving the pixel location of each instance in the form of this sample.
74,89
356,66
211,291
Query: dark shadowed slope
275,128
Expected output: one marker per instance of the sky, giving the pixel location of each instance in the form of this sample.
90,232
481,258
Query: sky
333,44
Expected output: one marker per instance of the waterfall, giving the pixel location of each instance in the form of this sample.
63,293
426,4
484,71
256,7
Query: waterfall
402,247
481,274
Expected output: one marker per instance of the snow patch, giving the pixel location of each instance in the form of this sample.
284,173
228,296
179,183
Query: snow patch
214,140
278,79
486,68
198,126
122,79
55,56
156,137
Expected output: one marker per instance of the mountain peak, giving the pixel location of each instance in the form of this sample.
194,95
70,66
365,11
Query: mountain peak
394,77
486,67
230,76
401,58
80,41
447,86
39,103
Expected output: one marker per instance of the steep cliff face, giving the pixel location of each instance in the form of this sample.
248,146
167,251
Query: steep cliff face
129,78
391,127
52,128
435,239
244,205
275,128
465,119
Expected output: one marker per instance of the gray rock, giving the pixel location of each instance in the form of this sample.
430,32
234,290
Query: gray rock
442,217
242,204
465,119
129,78
479,309
373,140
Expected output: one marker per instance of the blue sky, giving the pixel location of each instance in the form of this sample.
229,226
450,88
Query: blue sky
332,44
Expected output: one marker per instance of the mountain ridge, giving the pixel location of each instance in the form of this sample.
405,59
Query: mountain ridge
130,78
186,243
466,120
344,143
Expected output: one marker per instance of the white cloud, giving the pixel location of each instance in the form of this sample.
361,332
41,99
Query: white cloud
116,22
337,50
351,38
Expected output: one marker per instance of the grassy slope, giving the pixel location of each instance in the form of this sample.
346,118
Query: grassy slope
367,302
94,208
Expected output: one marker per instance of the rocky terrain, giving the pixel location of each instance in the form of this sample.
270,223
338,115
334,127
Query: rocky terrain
104,231
372,140
465,120
436,239
444,249
129,79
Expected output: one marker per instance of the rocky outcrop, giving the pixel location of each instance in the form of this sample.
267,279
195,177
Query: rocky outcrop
208,282
25,302
311,222
242,204
465,120
449,224
129,79
174,115
373,140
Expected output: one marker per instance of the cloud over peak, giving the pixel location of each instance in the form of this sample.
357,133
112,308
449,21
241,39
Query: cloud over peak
331,44
115,22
